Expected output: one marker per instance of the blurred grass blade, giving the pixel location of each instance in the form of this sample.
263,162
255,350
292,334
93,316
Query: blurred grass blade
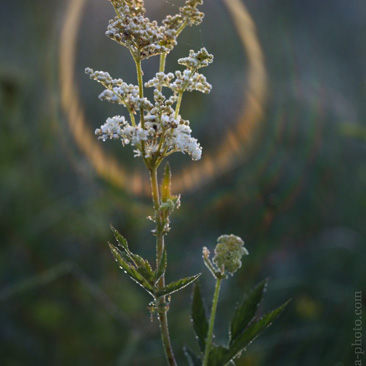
199,317
193,359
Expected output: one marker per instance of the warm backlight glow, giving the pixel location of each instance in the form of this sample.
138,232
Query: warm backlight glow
234,146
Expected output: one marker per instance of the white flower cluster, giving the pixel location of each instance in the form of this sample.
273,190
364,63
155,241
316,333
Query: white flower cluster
111,129
180,139
174,132
161,79
144,37
102,77
161,116
189,79
196,60
118,128
160,131
147,38
190,13
117,91
180,82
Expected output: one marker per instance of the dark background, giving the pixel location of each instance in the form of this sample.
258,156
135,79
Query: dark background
298,197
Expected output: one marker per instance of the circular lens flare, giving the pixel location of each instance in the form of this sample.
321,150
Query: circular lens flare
232,150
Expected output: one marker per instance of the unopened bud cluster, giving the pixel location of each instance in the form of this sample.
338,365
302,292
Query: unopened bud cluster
228,253
147,38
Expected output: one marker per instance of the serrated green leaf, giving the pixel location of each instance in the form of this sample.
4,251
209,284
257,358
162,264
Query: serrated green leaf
176,286
217,355
166,184
246,311
147,274
162,266
131,271
144,268
120,240
193,359
199,317
250,333
137,260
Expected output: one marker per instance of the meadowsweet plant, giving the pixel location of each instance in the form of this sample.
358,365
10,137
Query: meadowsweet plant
156,129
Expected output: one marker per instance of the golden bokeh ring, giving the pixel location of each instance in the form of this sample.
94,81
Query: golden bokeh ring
235,145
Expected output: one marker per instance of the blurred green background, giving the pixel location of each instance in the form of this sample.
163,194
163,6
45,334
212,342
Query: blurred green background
297,197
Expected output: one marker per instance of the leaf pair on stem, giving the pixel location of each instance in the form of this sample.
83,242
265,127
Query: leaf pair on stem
140,270
244,328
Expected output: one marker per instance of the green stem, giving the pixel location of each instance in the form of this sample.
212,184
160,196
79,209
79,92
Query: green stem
132,118
161,305
156,202
180,96
137,59
212,321
141,85
116,10
162,62
177,108
180,29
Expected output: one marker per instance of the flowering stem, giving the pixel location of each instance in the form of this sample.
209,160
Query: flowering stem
156,202
212,321
180,96
141,85
132,117
162,62
137,60
116,10
161,306
180,29
177,108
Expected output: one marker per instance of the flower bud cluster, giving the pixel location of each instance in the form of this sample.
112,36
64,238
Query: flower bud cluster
161,79
190,12
228,253
184,81
196,60
138,33
117,91
180,139
166,208
135,7
112,128
118,128
102,77
147,38
161,116
189,79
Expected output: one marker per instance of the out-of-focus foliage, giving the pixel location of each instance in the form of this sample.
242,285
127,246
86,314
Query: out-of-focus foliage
298,199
